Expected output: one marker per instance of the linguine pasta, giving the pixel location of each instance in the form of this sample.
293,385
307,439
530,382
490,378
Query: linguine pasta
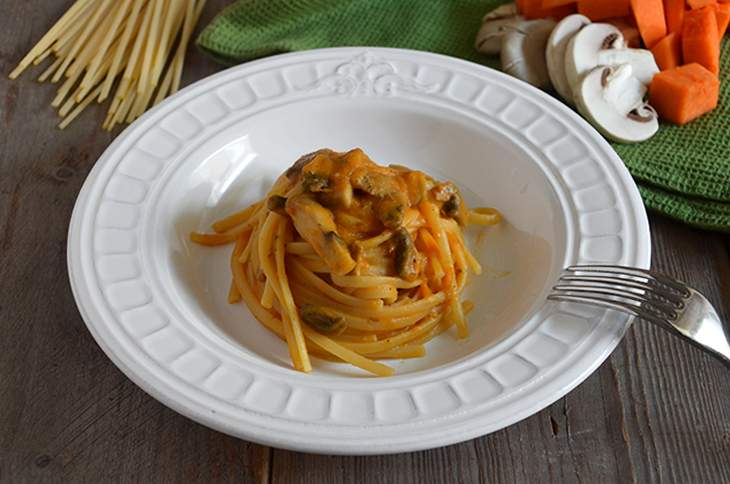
351,261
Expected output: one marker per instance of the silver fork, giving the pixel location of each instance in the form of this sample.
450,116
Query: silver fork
650,296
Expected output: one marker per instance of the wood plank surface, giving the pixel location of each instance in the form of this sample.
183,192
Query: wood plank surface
657,411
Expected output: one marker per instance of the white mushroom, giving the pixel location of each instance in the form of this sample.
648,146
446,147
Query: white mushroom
612,99
489,38
506,10
581,54
523,52
603,44
642,62
555,52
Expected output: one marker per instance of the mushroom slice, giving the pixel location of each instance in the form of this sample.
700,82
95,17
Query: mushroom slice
406,255
581,53
293,171
494,24
642,62
523,52
604,45
503,11
391,211
612,99
317,226
322,319
277,203
555,52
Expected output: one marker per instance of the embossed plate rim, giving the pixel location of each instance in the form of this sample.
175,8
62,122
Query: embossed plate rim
325,436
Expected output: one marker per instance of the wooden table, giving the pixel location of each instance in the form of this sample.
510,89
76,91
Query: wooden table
657,410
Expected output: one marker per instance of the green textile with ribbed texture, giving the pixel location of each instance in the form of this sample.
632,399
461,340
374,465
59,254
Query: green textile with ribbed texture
682,172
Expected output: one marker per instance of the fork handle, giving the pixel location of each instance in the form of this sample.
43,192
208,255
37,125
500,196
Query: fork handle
702,327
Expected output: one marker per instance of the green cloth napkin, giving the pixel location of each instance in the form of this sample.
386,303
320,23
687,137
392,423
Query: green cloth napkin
682,172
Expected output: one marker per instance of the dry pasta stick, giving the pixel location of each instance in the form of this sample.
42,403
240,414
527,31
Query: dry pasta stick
74,98
134,63
80,108
100,9
123,109
152,39
130,29
64,89
69,32
162,45
86,54
182,46
49,37
50,70
69,36
164,88
104,41
172,25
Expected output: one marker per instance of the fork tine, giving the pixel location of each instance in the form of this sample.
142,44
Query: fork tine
605,303
655,298
614,281
668,282
659,307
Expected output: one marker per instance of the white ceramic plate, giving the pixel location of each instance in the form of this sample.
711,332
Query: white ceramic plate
157,304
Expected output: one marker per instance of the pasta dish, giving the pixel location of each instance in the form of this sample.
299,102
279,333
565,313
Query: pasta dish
351,261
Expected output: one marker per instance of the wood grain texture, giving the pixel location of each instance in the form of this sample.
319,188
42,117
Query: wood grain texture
656,411
66,413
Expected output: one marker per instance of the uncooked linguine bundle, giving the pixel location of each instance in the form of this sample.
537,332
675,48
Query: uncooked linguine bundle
128,51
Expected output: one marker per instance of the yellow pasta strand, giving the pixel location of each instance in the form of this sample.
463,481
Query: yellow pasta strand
484,216
363,316
49,37
286,297
103,42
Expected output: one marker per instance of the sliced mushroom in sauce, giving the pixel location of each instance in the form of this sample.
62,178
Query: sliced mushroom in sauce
322,319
